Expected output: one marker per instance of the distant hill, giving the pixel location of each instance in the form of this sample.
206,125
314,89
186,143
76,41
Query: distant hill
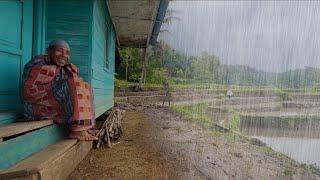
245,75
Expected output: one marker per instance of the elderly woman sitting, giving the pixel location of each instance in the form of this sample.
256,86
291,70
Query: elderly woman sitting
52,89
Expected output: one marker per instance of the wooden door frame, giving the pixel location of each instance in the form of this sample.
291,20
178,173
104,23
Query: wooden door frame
27,31
39,27
26,35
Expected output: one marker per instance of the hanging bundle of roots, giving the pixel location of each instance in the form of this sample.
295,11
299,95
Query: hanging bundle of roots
110,127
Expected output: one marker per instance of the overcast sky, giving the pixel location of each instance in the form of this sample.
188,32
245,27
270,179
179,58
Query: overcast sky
268,35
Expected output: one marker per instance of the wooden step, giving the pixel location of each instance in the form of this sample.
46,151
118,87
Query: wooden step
54,162
21,127
13,150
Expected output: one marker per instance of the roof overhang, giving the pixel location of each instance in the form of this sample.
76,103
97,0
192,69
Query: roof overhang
137,22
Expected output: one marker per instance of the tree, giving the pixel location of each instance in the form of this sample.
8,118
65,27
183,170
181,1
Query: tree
131,69
205,67
144,59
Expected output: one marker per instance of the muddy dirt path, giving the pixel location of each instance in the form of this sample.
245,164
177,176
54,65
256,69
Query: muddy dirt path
160,144
130,158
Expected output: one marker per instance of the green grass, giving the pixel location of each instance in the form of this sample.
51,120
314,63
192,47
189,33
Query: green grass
193,112
121,84
234,122
196,112
284,93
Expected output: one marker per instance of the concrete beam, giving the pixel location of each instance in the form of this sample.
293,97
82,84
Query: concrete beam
134,20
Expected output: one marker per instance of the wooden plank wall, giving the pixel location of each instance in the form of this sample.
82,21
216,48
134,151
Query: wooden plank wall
103,56
88,28
71,20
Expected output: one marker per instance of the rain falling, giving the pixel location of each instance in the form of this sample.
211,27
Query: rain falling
160,89
265,83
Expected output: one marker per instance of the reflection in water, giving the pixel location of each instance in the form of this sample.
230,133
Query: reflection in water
300,127
301,141
304,150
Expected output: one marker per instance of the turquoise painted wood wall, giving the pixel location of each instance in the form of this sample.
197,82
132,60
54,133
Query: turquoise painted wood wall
86,25
39,21
15,49
103,56
16,46
88,28
71,20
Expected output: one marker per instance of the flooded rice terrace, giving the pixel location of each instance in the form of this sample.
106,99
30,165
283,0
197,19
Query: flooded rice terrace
297,136
287,125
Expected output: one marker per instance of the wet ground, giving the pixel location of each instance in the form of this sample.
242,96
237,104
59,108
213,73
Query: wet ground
132,157
161,144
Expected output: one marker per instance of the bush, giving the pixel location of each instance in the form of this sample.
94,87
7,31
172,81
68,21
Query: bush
234,122
180,81
284,96
134,77
158,76
121,84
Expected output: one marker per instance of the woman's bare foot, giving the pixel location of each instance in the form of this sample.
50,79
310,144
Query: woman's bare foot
82,136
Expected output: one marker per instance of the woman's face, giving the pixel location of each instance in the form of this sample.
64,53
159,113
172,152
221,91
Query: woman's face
59,55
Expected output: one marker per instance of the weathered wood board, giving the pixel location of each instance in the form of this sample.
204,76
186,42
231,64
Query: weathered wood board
20,127
17,149
55,162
